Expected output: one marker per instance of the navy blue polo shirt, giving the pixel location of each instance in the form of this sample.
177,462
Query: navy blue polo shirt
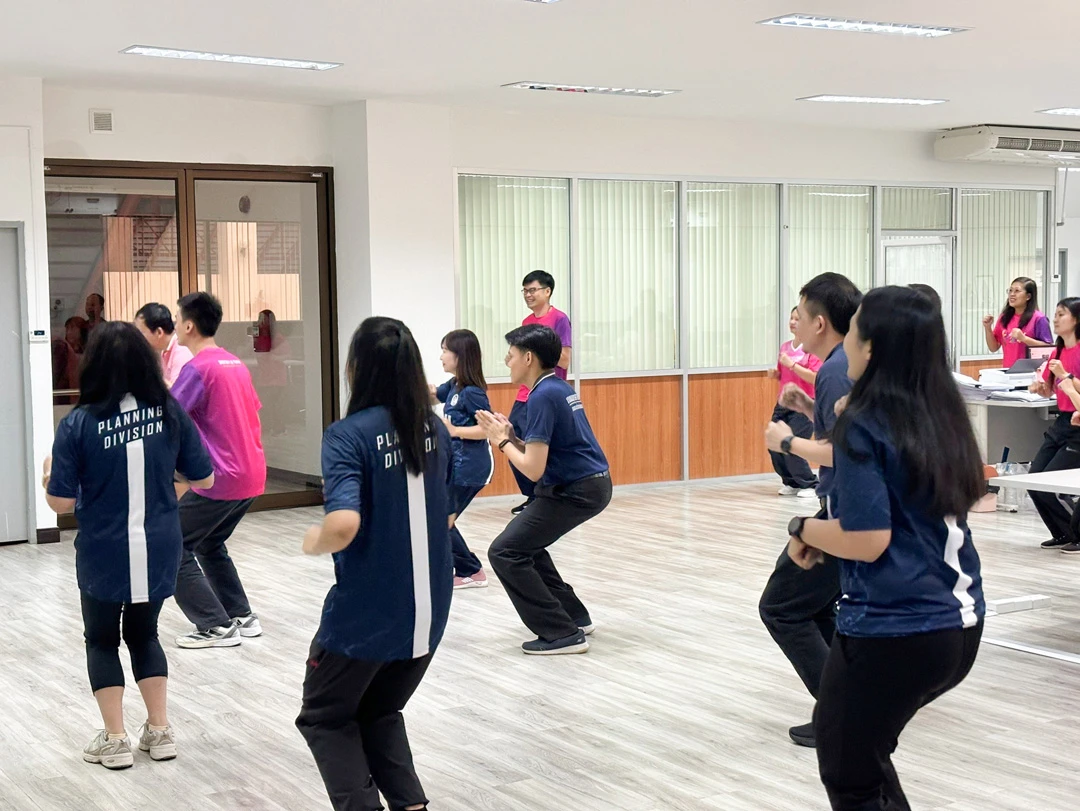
832,383
395,580
119,469
557,418
928,579
473,460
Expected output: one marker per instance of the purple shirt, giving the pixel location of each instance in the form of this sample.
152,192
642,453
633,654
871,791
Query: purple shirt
215,390
558,321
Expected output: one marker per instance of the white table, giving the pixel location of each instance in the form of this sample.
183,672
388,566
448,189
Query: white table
1011,424
1056,481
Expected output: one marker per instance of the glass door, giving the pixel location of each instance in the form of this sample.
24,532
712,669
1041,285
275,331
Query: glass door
922,260
257,249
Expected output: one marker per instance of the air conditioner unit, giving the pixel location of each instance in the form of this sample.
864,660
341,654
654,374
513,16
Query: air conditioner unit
998,144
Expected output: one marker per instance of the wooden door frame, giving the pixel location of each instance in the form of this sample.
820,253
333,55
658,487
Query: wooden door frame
184,176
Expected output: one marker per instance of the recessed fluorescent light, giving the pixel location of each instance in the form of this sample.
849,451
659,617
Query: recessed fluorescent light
1062,111
209,56
861,26
837,194
872,100
603,91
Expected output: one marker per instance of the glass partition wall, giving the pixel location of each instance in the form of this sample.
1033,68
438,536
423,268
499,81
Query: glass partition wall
123,235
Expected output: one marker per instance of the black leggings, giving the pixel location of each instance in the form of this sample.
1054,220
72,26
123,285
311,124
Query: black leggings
101,628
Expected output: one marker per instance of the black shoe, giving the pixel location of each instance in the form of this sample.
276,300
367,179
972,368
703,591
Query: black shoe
520,507
803,735
1054,543
1071,548
585,624
575,643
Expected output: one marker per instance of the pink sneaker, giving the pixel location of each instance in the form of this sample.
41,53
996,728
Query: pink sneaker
473,581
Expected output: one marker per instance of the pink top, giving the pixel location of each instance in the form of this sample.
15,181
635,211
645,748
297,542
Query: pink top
558,321
1012,350
1070,359
801,357
173,359
215,390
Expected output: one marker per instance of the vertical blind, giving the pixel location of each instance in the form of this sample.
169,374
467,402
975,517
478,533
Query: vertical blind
509,226
1002,236
829,229
733,272
627,310
906,208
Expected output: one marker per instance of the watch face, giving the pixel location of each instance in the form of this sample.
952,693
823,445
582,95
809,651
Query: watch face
795,526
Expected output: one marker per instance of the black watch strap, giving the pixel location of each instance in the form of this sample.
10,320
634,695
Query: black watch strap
785,445
795,526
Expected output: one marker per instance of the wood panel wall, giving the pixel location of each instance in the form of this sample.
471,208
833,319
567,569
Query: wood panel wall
728,415
638,422
502,396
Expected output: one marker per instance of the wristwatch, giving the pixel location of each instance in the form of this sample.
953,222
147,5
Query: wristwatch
785,445
795,526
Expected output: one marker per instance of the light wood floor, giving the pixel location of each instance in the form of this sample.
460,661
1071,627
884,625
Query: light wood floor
682,703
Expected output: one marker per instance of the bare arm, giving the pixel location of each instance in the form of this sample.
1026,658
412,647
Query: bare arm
813,451
988,331
564,359
337,531
866,546
809,375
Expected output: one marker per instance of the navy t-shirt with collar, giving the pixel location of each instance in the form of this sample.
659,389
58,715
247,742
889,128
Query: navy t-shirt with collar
557,418
831,384
119,469
929,577
473,459
393,584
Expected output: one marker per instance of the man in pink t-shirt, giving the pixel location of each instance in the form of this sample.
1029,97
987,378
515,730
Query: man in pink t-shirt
795,365
155,322
537,289
215,389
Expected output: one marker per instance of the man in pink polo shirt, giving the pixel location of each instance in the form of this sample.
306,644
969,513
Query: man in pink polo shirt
155,322
537,289
215,389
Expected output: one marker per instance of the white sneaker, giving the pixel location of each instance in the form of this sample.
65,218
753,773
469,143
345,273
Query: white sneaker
225,636
159,743
809,492
114,753
787,491
249,625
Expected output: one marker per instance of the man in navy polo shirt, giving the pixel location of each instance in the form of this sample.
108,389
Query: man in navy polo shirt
560,453
798,606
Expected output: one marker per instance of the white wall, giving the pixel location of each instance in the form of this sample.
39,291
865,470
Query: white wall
182,128
22,199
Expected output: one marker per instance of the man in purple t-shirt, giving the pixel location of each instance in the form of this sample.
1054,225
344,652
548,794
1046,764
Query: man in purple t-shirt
537,288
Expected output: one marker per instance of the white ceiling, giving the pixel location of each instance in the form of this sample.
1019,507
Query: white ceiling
459,52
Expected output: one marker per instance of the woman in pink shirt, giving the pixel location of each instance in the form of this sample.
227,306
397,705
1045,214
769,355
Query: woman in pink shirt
797,366
1020,325
1061,446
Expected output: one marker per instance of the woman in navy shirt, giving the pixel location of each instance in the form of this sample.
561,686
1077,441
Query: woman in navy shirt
910,619
386,467
463,395
114,460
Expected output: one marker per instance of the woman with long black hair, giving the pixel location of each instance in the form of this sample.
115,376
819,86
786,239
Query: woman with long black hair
908,470
114,460
1061,443
386,467
1020,326
462,396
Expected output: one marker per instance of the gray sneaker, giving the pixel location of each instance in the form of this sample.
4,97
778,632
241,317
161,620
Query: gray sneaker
112,754
159,744
226,636
249,625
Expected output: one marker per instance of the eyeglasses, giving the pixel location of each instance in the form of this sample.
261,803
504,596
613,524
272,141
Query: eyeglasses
531,291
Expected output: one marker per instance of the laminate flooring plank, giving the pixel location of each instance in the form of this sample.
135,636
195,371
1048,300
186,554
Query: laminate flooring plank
682,703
